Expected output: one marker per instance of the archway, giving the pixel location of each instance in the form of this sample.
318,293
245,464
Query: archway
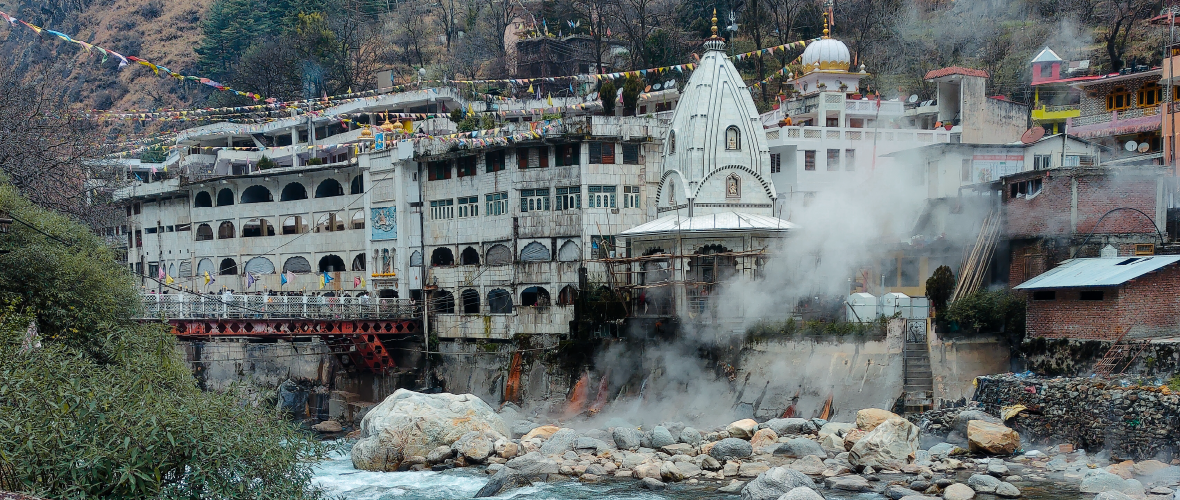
202,199
358,185
499,301
331,263
498,255
469,257
358,219
707,267
294,225
225,231
225,197
186,269
416,259
297,265
567,296
204,232
569,252
228,267
293,191
206,266
470,300
260,265
329,188
443,302
256,194
535,296
254,228
358,262
534,252
442,256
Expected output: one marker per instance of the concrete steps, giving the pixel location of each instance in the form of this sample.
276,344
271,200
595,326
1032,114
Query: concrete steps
919,378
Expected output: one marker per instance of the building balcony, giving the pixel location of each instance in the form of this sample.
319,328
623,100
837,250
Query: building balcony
1056,113
526,320
805,134
1127,121
147,189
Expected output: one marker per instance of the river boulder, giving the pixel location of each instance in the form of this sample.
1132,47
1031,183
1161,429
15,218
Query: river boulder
731,449
784,426
995,439
892,443
627,438
408,423
775,483
869,418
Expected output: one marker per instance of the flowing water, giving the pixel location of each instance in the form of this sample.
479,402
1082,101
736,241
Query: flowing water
340,479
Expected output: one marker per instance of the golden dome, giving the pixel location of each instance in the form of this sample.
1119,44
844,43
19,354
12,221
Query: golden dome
827,54
387,127
367,133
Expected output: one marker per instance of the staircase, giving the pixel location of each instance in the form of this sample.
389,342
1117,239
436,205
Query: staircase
1118,355
919,379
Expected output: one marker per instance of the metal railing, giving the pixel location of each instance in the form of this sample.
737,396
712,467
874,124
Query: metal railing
187,306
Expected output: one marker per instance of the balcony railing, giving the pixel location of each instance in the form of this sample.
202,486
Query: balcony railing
187,306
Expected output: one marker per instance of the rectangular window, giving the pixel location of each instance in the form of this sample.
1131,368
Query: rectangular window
602,196
466,166
1042,162
153,269
1044,295
909,271
494,161
630,196
138,238
833,159
468,207
442,209
569,198
602,152
497,203
522,158
809,160
776,163
965,171
630,154
567,154
183,227
534,200
439,170
149,230
849,159
543,157
602,246
1090,295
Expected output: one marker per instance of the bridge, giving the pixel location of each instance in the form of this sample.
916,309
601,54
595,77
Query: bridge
352,327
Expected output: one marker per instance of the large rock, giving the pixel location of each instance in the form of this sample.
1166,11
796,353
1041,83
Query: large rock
519,471
560,442
743,429
1112,495
652,483
892,443
752,469
775,483
801,493
691,436
869,418
799,448
764,440
670,473
897,492
1007,490
1098,481
983,483
409,423
838,429
996,439
328,427
851,437
731,449
959,423
475,446
627,438
958,491
848,483
810,465
543,432
661,437
784,426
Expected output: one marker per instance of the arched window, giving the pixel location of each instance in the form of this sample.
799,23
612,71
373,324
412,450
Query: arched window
256,194
567,296
358,219
534,252
257,227
171,269
294,225
535,296
206,266
331,264
329,188
569,252
260,265
671,142
293,191
202,199
443,302
225,231
358,185
498,255
186,269
442,256
358,262
470,299
416,259
225,197
329,222
297,265
204,232
227,267
385,254
469,257
733,138
499,301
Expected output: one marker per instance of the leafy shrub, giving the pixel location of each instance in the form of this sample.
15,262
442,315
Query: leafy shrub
939,287
989,311
608,92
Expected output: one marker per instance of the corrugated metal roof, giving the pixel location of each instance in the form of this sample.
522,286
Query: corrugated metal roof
724,221
1103,272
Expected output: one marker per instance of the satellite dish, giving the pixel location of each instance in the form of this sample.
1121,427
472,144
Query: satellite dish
912,99
1131,146
1144,147
656,86
669,83
1032,135
594,96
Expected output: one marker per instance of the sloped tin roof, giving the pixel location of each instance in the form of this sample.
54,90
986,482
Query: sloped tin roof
1101,272
719,222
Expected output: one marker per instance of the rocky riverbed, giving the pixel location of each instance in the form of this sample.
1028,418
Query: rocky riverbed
461,438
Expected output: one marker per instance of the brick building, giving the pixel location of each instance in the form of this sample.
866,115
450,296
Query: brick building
1054,215
1099,299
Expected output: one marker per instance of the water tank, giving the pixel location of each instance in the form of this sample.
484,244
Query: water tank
862,307
893,303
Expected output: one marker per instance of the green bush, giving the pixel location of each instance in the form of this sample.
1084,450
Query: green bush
989,312
607,92
632,87
105,407
939,287
266,163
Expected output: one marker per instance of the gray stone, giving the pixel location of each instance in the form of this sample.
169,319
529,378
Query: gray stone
522,427
1098,481
734,486
1161,490
964,417
731,448
670,473
690,436
801,493
409,423
596,469
532,464
810,465
941,450
710,463
518,472
891,444
997,468
1007,490
784,426
661,437
800,447
560,442
440,454
652,483
958,491
774,483
838,429
1112,495
920,485
896,492
679,449
627,438
570,455
752,469
848,483
673,427
982,483
689,469
475,446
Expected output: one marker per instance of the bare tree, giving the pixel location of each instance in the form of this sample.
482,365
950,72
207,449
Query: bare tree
598,15
1116,22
